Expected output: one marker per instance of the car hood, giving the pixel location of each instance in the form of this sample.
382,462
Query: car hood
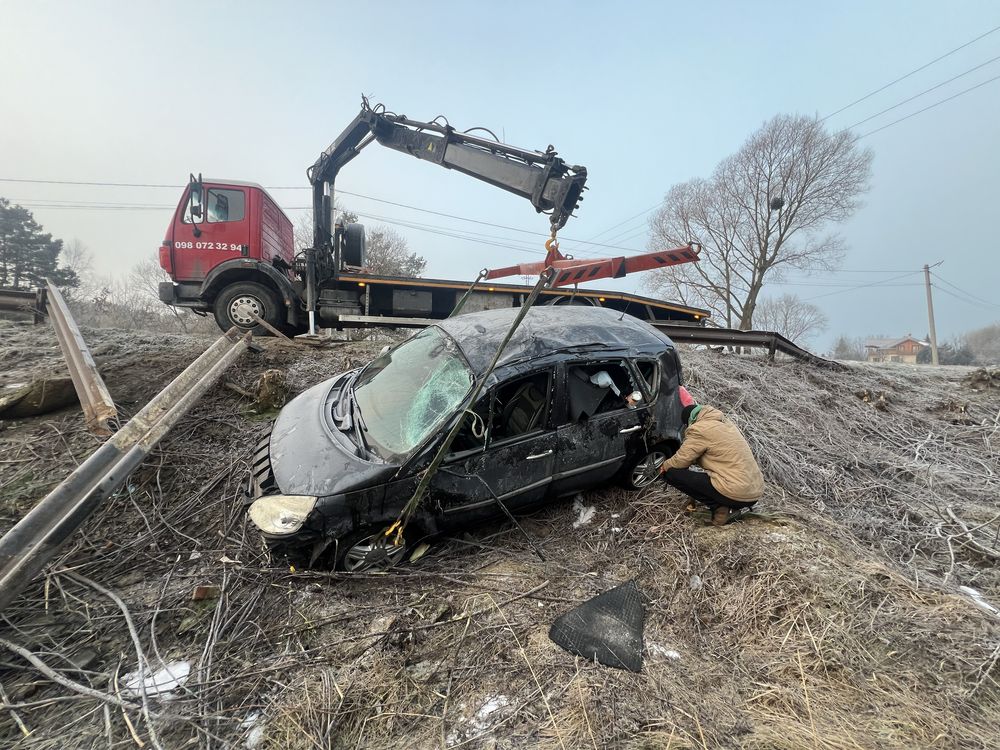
310,456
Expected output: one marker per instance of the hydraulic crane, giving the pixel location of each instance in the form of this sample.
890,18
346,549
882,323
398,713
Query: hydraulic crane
230,249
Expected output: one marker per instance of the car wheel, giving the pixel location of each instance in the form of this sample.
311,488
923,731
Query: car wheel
645,470
238,303
368,550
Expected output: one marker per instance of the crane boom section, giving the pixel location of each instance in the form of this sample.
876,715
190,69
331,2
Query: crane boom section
548,182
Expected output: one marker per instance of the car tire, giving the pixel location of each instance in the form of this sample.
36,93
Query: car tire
369,550
644,470
235,302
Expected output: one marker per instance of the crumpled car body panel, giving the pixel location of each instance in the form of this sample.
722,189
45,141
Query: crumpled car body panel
310,455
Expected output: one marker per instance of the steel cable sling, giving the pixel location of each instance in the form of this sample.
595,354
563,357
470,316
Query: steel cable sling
399,525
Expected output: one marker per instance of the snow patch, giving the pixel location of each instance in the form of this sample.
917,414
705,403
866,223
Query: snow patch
659,653
979,601
584,513
253,725
161,683
477,724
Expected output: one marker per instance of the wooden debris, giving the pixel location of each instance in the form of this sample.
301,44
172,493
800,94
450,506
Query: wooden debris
38,397
205,591
272,390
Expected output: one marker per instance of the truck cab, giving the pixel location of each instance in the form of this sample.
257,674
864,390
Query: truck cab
229,250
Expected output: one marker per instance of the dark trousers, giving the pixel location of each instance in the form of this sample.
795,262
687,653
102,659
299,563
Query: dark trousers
697,486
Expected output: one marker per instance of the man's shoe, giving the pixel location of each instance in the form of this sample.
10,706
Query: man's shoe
720,516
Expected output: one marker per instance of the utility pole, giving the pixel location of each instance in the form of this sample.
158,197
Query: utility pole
930,315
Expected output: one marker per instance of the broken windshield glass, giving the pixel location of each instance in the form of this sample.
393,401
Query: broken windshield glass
408,393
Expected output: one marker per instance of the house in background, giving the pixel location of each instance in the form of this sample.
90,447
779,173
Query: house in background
903,349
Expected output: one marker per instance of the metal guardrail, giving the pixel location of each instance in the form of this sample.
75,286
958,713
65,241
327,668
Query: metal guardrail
98,408
35,539
773,342
25,301
679,332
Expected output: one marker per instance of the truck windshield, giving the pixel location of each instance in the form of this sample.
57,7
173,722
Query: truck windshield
408,393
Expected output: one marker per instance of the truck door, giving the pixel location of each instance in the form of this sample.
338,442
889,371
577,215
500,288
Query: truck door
214,227
507,450
596,427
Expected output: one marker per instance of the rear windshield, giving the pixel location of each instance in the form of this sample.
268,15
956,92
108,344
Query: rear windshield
407,394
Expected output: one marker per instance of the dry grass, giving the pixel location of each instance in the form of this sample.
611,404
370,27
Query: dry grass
830,620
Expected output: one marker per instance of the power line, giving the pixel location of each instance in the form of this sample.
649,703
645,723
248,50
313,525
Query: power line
912,72
931,106
964,299
837,285
863,270
925,91
966,293
630,218
89,184
863,286
467,236
343,192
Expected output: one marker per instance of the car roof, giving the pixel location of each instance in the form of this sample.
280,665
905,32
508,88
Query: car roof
547,329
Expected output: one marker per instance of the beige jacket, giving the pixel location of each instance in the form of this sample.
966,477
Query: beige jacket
716,444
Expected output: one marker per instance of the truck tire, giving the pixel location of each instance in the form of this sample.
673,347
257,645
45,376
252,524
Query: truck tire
235,302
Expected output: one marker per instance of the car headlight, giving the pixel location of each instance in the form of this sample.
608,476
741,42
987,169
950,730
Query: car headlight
281,514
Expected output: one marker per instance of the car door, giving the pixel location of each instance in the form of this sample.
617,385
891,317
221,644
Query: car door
212,230
596,428
513,460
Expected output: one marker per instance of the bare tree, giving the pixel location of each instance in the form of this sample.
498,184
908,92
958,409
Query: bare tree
130,301
302,229
76,257
389,254
790,316
985,343
850,349
765,209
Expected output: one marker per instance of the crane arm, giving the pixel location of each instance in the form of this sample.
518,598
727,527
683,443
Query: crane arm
542,177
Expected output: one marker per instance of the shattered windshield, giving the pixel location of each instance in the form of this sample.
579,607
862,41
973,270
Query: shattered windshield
406,394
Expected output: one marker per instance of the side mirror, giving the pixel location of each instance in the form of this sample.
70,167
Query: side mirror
197,202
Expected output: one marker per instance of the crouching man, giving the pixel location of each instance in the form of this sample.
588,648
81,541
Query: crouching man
731,482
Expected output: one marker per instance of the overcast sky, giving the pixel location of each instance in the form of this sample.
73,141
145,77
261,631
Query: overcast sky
644,95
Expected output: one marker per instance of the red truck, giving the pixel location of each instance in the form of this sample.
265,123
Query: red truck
230,250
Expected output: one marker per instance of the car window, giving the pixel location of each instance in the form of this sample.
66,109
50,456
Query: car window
223,205
650,372
597,388
408,393
521,406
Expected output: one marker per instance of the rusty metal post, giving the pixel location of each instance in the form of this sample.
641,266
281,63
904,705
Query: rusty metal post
98,408
40,303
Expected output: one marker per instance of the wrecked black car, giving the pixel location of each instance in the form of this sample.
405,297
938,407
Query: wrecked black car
580,396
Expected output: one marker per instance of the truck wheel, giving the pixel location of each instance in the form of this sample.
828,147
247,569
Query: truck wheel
237,303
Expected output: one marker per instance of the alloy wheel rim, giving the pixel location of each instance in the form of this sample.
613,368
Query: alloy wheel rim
375,552
647,470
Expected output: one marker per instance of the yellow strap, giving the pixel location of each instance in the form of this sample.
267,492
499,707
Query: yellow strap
397,527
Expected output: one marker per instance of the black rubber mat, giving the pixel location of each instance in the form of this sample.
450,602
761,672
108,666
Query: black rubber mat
607,628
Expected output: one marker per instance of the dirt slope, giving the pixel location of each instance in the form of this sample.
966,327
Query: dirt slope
832,619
